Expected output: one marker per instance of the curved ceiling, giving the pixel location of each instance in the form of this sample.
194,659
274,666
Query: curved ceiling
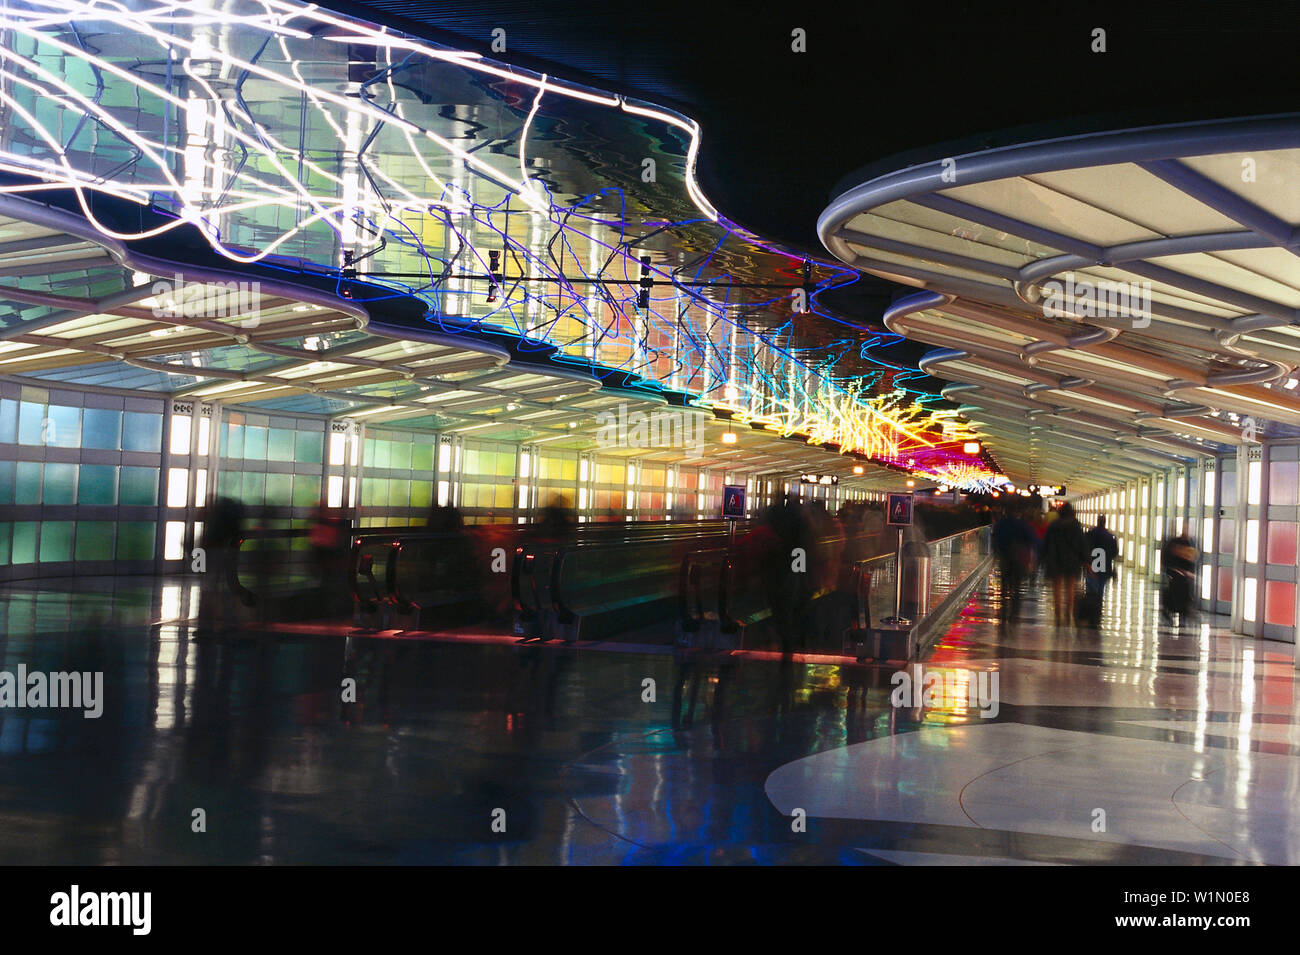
1106,304
504,201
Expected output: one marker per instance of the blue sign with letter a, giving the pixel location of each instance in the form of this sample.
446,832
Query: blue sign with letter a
898,510
733,502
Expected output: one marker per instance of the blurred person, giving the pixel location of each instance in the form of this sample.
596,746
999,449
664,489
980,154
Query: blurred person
556,523
1099,570
222,532
1178,557
1014,546
1038,523
788,573
1064,556
327,537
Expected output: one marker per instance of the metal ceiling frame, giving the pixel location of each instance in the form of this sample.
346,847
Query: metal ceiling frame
1249,349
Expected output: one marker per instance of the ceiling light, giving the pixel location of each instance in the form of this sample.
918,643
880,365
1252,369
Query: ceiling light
971,447
728,437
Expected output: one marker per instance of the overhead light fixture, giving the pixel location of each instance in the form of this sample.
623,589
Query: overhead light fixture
911,483
728,437
971,447
859,469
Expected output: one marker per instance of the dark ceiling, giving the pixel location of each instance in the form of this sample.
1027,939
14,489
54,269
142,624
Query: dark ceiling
781,129
880,85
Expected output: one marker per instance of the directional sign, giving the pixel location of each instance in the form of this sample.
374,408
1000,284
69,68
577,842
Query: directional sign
898,510
733,502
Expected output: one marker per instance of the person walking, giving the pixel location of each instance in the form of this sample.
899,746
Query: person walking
1103,549
1064,555
1014,544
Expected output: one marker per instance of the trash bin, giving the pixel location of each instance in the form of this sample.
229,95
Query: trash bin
915,589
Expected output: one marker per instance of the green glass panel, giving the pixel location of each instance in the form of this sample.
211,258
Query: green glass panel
383,453
141,431
368,452
399,492
254,494
6,482
135,540
401,456
6,533
310,447
56,541
30,417
8,420
279,445
422,457
421,493
60,484
232,445
63,428
306,491
279,490
102,429
254,443
95,540
138,487
229,484
24,547
98,485
27,488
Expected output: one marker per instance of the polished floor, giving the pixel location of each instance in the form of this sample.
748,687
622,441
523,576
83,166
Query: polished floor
1135,744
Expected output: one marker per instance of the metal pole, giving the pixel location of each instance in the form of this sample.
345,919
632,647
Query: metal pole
898,579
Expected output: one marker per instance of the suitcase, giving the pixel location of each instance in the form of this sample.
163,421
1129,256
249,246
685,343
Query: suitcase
1088,609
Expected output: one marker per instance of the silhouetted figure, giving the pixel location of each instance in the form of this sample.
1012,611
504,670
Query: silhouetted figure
556,523
1064,555
788,572
327,537
222,531
1014,546
1178,558
455,568
1103,549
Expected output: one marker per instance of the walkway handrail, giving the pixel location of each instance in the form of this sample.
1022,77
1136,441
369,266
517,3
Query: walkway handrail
563,612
